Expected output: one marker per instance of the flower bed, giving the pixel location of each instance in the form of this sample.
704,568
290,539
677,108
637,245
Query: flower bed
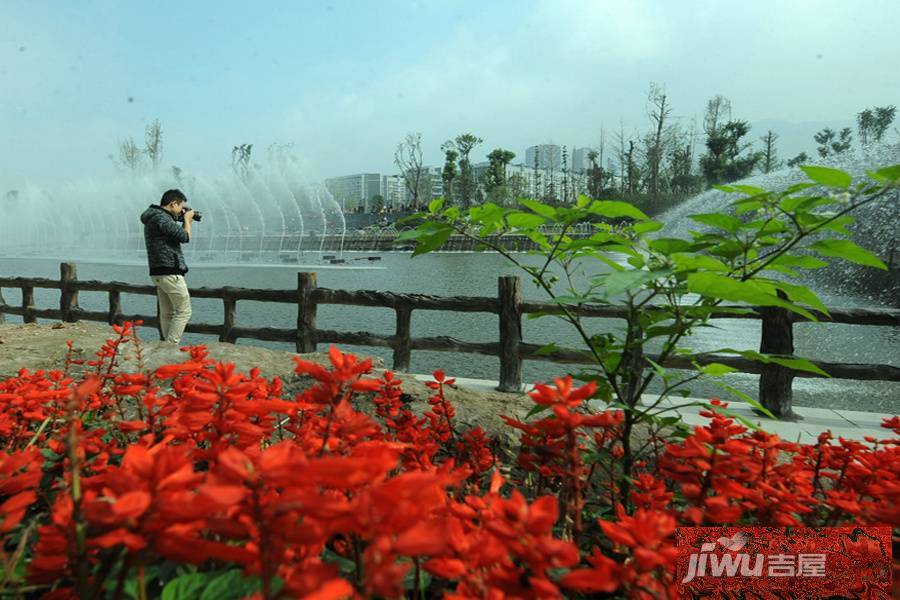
197,481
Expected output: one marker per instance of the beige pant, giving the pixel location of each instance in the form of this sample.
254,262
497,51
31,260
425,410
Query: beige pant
174,305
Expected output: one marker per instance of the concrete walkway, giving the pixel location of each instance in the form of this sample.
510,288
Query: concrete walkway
849,424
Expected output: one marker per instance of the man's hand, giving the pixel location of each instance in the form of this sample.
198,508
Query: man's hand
188,220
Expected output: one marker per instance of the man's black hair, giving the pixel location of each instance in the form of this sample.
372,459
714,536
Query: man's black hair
170,196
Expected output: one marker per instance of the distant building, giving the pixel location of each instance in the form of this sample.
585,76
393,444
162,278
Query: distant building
546,156
394,191
436,179
580,162
353,191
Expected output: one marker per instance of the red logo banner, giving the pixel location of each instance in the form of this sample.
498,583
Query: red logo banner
784,562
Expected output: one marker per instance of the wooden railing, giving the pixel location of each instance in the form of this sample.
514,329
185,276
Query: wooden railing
777,326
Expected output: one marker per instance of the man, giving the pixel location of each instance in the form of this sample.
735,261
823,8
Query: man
166,227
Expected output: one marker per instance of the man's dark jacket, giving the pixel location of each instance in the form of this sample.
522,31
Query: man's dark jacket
163,236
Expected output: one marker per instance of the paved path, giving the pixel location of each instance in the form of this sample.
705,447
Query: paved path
848,424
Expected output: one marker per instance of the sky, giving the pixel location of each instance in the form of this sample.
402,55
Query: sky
344,81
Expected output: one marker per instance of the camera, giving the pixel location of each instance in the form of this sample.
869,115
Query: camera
197,214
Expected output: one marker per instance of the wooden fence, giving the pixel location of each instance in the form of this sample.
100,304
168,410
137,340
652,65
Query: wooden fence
777,326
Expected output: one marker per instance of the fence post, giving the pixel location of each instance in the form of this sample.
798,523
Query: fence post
28,304
2,306
509,297
402,345
115,307
68,298
306,313
775,391
228,325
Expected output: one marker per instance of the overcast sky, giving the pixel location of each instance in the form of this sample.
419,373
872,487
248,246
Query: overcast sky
344,81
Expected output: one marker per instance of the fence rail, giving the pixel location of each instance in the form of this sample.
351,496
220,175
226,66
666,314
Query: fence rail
512,350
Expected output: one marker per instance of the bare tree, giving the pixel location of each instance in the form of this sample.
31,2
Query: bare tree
408,158
153,143
130,155
659,113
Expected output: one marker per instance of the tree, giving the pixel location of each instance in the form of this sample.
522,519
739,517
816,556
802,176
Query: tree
872,123
683,179
829,145
408,158
770,160
725,160
494,180
449,173
659,113
376,205
153,143
800,159
718,112
517,186
598,178
632,173
130,155
594,175
464,144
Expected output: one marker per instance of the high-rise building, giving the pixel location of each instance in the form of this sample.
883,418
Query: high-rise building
545,156
354,191
394,191
580,162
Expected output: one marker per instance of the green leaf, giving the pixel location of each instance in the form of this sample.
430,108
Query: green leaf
752,402
615,284
231,585
713,285
800,262
646,227
187,587
539,208
799,293
719,221
409,581
887,174
833,178
716,369
798,187
523,220
667,246
613,209
546,349
693,262
750,190
346,566
798,364
536,410
487,214
435,205
848,251
432,241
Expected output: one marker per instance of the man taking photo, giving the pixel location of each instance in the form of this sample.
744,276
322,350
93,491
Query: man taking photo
166,227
